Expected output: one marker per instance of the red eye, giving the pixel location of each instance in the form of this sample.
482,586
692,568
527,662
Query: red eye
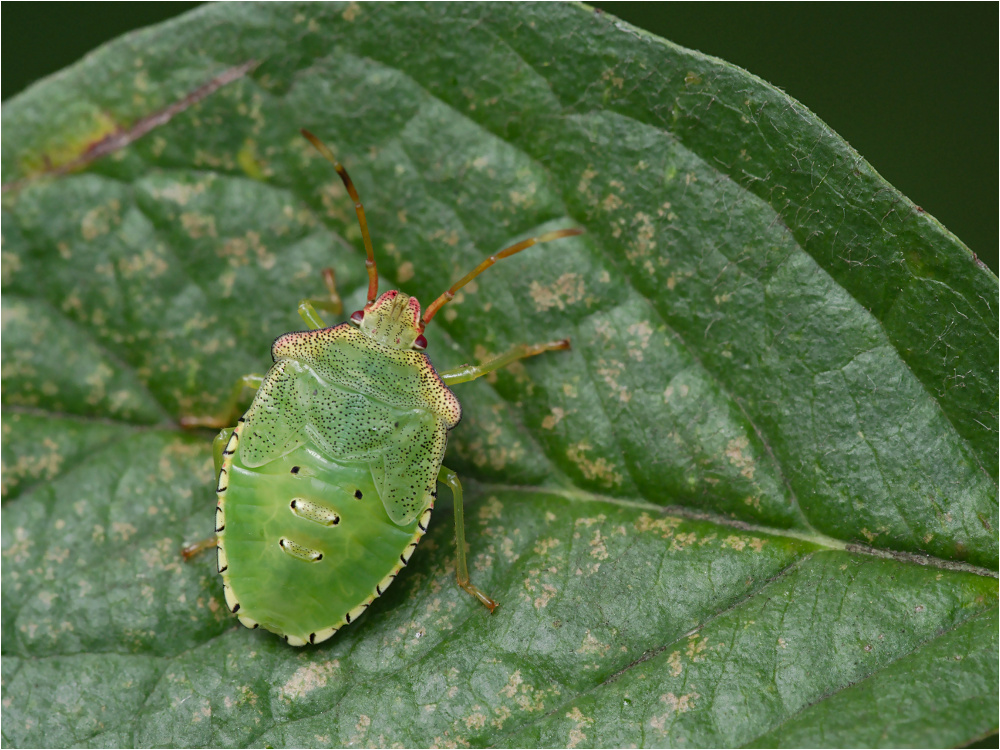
357,316
420,343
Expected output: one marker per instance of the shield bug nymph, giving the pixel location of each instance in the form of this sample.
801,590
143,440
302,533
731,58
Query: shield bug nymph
327,482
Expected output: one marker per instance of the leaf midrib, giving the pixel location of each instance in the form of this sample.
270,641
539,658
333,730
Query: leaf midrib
820,540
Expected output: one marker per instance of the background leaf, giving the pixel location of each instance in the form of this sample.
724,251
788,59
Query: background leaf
756,504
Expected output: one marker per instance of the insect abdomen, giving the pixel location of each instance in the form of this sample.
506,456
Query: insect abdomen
307,543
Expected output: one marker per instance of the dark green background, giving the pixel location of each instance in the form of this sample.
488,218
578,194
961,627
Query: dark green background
39,292
913,87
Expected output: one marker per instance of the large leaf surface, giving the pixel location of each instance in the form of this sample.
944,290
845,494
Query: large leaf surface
756,504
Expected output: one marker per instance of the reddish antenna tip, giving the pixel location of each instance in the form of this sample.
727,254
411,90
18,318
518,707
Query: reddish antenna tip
558,234
320,146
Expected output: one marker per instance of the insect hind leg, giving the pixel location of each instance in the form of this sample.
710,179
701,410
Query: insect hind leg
195,548
219,447
448,477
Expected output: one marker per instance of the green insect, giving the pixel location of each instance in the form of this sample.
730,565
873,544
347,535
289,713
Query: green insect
327,482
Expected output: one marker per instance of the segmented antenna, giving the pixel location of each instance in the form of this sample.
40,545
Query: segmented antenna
448,296
370,260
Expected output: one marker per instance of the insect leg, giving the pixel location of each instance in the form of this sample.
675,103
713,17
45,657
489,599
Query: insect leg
219,445
190,550
331,304
450,478
230,411
465,373
308,313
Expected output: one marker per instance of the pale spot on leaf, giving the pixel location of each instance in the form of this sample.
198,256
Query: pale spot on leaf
592,645
123,530
598,469
197,225
543,546
609,372
179,192
554,418
585,179
643,242
405,272
695,648
734,542
735,452
99,220
491,509
639,335
576,735
665,526
476,720
674,663
598,549
308,678
675,705
568,289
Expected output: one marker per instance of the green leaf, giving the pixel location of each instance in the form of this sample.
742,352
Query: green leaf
755,505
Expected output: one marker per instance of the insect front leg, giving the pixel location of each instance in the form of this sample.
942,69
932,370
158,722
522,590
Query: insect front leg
331,304
465,373
231,411
450,478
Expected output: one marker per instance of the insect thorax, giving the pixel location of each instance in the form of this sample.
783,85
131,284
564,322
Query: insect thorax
345,356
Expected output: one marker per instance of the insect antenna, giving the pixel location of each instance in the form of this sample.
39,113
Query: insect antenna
352,191
449,295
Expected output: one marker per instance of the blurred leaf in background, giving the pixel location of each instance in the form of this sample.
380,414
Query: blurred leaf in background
755,505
